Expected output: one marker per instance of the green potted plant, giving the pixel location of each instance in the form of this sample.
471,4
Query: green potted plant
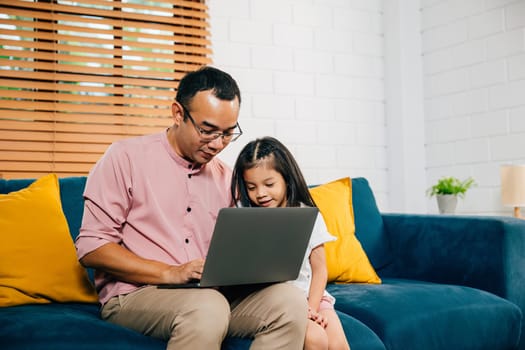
447,190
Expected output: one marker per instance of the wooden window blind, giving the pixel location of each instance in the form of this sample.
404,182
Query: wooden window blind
77,75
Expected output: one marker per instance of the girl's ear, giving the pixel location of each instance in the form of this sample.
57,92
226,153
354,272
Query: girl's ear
177,113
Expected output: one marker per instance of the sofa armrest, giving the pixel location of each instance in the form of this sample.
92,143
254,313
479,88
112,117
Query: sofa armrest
483,252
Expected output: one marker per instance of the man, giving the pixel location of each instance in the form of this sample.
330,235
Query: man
150,208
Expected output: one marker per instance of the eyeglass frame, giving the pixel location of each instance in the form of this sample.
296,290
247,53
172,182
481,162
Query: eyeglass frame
215,134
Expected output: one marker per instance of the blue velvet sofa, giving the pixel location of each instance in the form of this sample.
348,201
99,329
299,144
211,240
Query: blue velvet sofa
448,282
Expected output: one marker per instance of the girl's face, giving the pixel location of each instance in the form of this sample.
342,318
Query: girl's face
266,187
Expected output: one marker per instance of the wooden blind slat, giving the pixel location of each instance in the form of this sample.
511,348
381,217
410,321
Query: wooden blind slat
28,168
57,76
90,129
64,59
84,99
71,147
79,108
182,11
181,52
51,66
197,5
48,157
167,9
60,137
81,119
106,89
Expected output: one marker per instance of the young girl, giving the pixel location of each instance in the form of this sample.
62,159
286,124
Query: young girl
267,175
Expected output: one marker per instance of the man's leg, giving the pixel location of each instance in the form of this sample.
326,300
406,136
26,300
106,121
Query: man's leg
276,316
186,318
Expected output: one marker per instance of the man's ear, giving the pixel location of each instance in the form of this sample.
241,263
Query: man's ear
177,113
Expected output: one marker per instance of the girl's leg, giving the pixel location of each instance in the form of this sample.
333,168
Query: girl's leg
316,337
334,331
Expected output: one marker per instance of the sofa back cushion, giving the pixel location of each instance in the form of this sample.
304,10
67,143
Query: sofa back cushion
369,227
71,196
346,261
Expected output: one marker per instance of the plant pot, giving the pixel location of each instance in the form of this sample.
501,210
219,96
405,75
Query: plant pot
447,203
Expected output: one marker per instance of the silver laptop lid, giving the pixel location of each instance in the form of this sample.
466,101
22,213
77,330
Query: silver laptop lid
258,245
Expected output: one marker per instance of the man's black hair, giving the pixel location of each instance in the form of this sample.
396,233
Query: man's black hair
222,85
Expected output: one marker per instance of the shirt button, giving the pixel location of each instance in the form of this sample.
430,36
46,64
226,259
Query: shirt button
189,176
188,209
187,240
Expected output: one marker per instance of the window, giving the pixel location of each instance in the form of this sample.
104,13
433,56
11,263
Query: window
78,75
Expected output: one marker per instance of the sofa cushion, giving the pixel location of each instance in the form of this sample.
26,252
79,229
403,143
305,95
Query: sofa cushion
409,314
369,227
66,327
78,326
359,336
38,262
345,258
71,195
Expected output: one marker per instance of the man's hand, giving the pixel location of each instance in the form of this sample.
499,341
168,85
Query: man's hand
184,273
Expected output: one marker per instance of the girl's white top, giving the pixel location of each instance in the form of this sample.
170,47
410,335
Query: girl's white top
319,236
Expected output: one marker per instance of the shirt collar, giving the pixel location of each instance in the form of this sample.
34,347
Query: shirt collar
178,159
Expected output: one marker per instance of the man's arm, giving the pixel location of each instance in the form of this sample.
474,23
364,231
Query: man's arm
126,266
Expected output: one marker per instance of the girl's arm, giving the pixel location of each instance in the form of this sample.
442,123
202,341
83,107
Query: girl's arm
319,277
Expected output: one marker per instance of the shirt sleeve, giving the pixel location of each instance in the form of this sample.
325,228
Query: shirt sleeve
107,196
320,234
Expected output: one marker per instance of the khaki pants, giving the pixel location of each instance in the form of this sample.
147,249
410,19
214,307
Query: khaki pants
200,318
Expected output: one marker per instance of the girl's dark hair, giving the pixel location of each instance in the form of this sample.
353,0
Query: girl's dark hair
271,150
206,78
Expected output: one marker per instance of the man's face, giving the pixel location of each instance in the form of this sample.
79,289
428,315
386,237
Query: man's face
210,114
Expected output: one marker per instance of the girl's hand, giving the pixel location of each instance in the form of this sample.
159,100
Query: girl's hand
317,318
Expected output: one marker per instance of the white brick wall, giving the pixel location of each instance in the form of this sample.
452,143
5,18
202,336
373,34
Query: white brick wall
311,74
474,72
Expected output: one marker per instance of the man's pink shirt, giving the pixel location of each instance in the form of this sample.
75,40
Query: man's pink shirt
144,196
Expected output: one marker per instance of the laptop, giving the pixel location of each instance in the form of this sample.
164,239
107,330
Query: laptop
255,246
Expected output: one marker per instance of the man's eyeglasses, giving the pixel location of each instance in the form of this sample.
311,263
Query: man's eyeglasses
210,135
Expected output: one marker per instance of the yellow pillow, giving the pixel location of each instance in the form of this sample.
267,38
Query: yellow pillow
345,258
38,261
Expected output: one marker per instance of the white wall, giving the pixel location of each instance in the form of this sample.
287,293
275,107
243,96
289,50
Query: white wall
401,92
474,76
404,107
311,73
